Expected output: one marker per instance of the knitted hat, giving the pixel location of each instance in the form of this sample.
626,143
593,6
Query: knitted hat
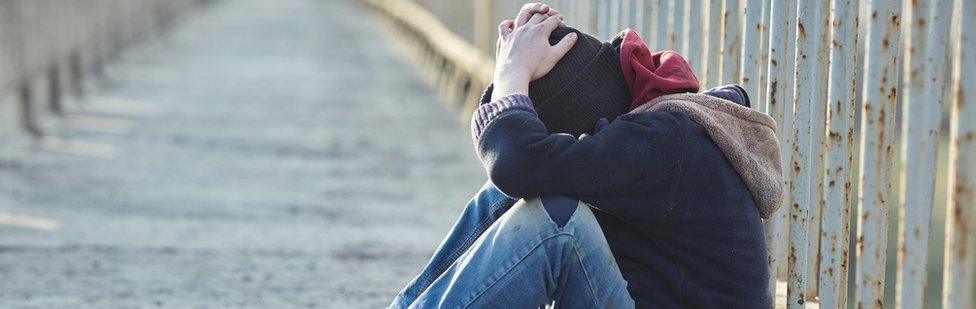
584,86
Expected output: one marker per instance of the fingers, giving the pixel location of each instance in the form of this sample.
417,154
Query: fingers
505,28
551,23
528,10
537,18
564,45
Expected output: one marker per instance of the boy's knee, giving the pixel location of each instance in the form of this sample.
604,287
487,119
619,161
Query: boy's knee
560,208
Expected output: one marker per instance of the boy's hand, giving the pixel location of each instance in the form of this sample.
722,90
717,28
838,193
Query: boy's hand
524,53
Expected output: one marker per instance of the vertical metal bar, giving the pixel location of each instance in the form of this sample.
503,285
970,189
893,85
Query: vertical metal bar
661,30
818,128
639,17
780,95
834,246
877,154
713,40
615,21
960,254
624,13
693,37
650,11
760,97
923,85
677,21
603,19
731,42
811,24
751,32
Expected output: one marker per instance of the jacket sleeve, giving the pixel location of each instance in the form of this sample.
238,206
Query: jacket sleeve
630,156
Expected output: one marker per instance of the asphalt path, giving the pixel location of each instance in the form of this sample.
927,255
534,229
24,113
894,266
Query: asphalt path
257,154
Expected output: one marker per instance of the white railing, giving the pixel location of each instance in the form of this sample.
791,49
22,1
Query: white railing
48,46
828,71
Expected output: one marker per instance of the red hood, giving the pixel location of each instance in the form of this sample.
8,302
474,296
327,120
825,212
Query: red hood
650,75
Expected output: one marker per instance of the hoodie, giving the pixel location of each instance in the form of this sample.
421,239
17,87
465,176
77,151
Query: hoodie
679,186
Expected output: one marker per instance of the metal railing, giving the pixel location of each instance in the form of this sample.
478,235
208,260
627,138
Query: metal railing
48,46
833,74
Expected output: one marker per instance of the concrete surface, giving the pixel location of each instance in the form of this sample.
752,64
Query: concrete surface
260,154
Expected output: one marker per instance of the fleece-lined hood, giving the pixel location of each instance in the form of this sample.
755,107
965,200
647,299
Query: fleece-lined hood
746,137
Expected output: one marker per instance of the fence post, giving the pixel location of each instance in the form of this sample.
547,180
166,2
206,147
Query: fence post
960,255
731,43
713,41
836,228
818,144
780,96
693,39
751,68
764,57
661,30
811,25
877,153
677,26
923,87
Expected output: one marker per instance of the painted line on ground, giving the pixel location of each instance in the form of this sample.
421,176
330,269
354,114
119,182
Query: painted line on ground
99,124
119,107
29,222
80,148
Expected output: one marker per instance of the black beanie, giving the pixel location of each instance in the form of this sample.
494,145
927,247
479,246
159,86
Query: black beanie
585,85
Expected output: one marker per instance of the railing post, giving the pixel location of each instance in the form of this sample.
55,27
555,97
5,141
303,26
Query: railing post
809,100
923,87
960,253
603,19
731,43
693,37
713,41
677,26
763,58
836,228
877,148
751,68
614,15
661,20
779,90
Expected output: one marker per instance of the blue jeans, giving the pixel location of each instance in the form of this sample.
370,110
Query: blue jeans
518,254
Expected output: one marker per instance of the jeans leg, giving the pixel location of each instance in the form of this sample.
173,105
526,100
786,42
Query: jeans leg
526,260
484,208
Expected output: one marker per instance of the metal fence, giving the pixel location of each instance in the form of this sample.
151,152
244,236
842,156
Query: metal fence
48,46
834,75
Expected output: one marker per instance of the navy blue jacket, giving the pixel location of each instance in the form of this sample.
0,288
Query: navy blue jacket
680,221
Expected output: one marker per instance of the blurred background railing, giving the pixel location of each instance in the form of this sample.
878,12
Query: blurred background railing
48,47
873,99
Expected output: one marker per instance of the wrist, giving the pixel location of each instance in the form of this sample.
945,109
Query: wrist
510,82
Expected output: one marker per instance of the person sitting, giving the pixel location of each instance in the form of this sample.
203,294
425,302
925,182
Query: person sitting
660,207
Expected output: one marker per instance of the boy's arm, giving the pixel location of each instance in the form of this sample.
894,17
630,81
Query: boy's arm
632,155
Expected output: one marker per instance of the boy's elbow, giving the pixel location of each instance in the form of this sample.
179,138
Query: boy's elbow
508,178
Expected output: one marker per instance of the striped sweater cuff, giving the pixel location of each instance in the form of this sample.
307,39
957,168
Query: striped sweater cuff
487,112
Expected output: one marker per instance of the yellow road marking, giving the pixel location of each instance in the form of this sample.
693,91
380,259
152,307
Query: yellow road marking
120,107
99,124
30,222
81,148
